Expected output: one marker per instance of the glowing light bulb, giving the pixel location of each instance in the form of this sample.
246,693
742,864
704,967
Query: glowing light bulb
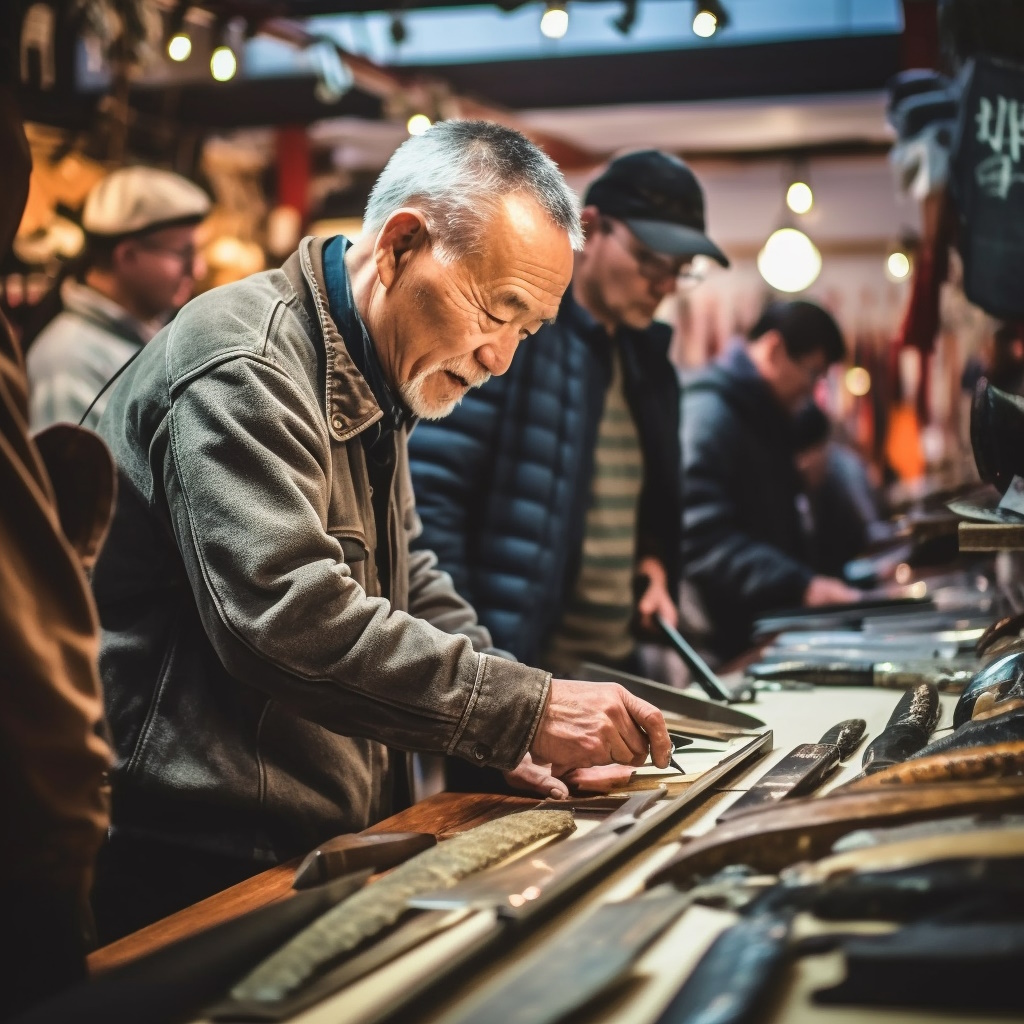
223,64
789,261
858,381
799,197
179,47
705,24
554,22
418,124
898,265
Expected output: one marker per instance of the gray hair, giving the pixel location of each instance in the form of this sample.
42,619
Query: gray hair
456,172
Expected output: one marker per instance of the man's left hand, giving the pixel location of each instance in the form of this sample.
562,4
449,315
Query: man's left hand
656,599
532,777
536,778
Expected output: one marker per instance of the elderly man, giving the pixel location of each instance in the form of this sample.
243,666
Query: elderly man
548,493
138,268
270,645
743,545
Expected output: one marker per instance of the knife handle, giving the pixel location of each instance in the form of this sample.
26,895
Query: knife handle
356,851
732,979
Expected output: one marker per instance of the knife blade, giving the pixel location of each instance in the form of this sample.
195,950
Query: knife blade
950,677
699,669
586,958
801,771
532,880
668,698
354,851
910,724
526,879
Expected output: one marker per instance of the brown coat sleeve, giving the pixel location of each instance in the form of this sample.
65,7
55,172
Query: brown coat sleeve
52,758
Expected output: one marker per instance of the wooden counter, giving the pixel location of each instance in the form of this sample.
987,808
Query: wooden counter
795,717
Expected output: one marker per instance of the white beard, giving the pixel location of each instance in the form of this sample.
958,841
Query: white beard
426,409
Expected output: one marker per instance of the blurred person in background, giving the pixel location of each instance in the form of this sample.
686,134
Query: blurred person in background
52,759
138,268
744,551
839,506
554,490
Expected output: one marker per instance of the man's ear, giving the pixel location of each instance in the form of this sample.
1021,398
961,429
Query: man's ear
774,345
124,254
404,232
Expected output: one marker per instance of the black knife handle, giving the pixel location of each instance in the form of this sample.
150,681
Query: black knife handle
730,983
910,725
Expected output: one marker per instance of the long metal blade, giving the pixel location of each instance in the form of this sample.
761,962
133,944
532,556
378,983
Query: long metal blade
699,669
517,888
585,959
802,770
670,699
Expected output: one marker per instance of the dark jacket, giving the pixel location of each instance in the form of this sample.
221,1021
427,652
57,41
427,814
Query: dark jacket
502,484
254,678
742,540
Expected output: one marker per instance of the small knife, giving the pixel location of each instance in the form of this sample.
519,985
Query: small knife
802,770
910,725
355,851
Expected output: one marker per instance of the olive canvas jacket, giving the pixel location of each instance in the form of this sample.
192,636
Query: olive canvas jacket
255,679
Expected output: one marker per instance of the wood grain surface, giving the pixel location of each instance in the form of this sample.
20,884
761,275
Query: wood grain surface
444,815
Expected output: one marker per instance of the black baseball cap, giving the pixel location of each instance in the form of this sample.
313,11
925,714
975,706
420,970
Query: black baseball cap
659,199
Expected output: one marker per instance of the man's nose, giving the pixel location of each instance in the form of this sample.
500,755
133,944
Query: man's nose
495,356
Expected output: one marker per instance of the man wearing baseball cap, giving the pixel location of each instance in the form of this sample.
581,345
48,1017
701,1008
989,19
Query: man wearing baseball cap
552,494
138,268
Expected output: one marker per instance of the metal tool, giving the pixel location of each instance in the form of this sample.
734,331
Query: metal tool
353,852
532,881
702,673
584,959
668,698
801,771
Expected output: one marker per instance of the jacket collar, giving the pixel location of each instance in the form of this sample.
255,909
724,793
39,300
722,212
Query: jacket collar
349,403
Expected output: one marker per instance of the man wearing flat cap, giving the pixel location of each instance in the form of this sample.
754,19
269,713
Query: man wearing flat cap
551,495
138,268
271,645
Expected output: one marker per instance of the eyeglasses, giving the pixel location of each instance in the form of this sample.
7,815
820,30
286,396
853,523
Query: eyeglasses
186,255
652,267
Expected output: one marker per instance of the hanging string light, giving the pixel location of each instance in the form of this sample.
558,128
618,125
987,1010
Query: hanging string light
789,261
709,17
554,22
799,197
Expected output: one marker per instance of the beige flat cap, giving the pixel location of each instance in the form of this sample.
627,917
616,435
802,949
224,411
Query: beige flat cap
135,199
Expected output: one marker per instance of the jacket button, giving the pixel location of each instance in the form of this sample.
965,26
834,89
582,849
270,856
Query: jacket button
481,752
336,423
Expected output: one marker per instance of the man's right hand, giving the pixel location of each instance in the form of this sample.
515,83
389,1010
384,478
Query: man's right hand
828,590
587,724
